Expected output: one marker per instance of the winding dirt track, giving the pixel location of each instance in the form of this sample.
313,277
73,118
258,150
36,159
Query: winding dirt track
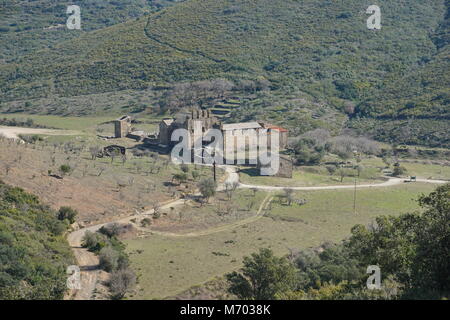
88,262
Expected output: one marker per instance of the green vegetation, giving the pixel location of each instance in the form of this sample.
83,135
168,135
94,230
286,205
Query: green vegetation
168,265
26,26
112,257
425,171
335,206
67,213
34,254
262,277
411,251
13,122
316,176
321,62
207,188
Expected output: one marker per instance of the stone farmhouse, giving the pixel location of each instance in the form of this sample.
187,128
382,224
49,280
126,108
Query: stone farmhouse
203,119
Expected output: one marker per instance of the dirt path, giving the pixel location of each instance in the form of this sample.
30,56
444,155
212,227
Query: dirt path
389,183
14,132
230,226
234,177
88,261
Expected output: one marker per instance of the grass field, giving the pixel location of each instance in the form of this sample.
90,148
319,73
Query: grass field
69,123
312,176
426,171
85,124
169,265
337,205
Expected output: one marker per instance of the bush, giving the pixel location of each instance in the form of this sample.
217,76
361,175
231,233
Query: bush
398,171
184,168
308,151
146,222
262,277
113,230
90,241
109,259
207,188
65,169
195,174
67,213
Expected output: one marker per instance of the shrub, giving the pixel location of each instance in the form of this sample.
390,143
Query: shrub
90,240
398,170
109,259
65,169
195,174
111,230
184,168
67,213
207,188
146,222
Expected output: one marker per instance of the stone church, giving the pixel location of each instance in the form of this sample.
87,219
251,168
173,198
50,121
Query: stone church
203,119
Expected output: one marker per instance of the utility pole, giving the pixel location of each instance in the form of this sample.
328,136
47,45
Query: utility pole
355,154
214,165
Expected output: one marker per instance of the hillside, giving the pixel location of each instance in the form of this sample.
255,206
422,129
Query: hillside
319,49
34,254
26,26
414,109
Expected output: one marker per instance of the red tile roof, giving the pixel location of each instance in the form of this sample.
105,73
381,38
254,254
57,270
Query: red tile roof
270,126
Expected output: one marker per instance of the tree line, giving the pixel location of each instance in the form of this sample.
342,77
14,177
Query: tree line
412,251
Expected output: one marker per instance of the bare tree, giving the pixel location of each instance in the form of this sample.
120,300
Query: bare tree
359,169
85,170
101,170
289,195
94,151
250,205
342,173
121,282
7,168
230,188
156,206
123,158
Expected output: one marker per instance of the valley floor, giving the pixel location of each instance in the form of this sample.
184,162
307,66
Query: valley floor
185,252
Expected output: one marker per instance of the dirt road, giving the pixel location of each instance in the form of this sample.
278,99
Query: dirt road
88,262
233,176
14,132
